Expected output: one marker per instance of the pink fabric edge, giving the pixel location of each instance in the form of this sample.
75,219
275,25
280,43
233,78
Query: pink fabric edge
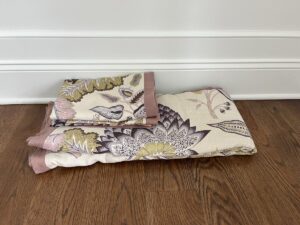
36,161
150,103
39,139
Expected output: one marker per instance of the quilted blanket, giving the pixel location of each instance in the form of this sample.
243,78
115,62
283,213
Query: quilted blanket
203,123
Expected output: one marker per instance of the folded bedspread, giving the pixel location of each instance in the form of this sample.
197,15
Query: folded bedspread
204,123
110,101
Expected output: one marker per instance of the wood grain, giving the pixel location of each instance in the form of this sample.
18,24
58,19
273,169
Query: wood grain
260,189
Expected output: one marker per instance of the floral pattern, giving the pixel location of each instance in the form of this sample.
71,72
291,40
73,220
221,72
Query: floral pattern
54,142
233,126
210,95
73,90
172,137
175,135
136,79
77,141
105,101
114,112
63,109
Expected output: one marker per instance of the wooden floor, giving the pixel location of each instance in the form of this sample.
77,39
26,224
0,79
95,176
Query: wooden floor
259,189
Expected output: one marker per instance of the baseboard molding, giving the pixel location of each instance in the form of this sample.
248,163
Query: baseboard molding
265,96
16,101
157,64
248,64
150,34
39,87
157,50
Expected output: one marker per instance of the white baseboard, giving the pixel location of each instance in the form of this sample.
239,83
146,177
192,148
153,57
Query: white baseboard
149,48
156,64
282,96
247,64
17,101
150,34
40,85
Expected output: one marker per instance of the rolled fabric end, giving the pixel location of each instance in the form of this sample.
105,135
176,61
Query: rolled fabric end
35,141
38,139
36,161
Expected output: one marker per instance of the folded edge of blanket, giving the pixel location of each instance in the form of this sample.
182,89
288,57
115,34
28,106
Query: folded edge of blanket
38,139
36,160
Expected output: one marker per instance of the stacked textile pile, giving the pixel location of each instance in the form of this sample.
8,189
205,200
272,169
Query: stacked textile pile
118,119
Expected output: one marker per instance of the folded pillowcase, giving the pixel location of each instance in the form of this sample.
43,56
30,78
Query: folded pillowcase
110,101
192,124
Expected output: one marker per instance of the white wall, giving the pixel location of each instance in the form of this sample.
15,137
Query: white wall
158,15
236,44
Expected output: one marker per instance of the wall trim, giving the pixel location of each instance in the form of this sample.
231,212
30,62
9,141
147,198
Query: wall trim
249,64
15,101
35,87
42,54
157,64
145,61
150,34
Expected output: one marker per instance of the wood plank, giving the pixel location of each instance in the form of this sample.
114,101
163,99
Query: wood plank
174,207
259,189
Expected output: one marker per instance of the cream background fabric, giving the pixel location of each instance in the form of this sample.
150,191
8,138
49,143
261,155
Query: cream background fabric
203,108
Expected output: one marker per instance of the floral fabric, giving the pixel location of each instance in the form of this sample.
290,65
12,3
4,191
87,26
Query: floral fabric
192,124
111,101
